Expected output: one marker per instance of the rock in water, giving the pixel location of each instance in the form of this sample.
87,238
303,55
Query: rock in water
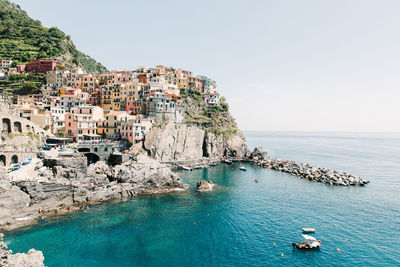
205,186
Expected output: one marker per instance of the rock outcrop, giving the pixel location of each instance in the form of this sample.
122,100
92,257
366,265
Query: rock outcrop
174,142
306,171
63,188
205,186
33,258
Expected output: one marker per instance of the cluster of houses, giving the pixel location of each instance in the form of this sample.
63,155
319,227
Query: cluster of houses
114,105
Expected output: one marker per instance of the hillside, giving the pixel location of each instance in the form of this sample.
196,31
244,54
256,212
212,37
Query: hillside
23,39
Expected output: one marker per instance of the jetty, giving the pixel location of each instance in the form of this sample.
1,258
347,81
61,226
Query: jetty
306,171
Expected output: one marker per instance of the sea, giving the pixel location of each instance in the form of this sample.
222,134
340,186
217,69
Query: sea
243,222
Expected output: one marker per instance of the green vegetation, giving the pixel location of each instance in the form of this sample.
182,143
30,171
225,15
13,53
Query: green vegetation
23,39
22,84
216,120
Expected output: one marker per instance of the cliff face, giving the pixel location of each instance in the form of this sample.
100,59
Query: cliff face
204,132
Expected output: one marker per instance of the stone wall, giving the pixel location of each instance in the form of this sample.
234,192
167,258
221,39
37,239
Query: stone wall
12,157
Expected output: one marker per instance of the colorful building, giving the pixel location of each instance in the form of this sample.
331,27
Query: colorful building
82,121
42,65
135,129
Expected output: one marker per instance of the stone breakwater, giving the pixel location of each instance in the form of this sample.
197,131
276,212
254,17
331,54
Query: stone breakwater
306,171
7,259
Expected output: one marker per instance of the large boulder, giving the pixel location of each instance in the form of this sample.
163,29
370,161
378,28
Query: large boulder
205,186
149,175
259,154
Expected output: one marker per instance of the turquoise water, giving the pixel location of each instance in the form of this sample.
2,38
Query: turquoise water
239,222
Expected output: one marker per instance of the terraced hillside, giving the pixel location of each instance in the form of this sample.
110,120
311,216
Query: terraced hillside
23,39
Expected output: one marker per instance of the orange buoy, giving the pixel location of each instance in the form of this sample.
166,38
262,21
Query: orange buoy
255,180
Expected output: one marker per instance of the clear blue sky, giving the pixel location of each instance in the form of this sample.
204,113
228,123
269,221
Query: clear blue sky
293,65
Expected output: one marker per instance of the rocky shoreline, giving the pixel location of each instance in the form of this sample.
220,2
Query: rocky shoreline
7,259
306,171
69,185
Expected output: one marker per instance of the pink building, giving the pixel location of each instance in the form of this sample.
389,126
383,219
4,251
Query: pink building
135,129
82,121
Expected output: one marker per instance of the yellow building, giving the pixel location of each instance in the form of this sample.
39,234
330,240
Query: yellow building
106,98
113,121
116,98
183,83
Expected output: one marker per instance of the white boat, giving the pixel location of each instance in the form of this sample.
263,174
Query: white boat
308,230
242,168
186,168
228,161
310,243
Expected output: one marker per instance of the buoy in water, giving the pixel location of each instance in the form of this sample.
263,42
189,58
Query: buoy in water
282,255
194,223
338,249
274,244
277,232
346,240
255,180
335,225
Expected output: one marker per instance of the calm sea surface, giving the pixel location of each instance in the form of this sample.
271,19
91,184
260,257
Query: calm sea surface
243,222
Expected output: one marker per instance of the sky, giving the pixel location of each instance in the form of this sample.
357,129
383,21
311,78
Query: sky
283,65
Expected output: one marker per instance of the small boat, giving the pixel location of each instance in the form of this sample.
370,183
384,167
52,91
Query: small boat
242,168
228,161
308,230
310,243
186,168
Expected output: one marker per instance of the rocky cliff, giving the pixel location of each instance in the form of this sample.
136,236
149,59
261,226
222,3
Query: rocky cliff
204,132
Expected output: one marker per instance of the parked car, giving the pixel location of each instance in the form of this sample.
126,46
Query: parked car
40,155
17,166
46,147
10,169
27,161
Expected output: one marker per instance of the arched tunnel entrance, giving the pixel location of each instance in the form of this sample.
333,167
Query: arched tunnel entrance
14,159
17,127
6,126
3,160
92,158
